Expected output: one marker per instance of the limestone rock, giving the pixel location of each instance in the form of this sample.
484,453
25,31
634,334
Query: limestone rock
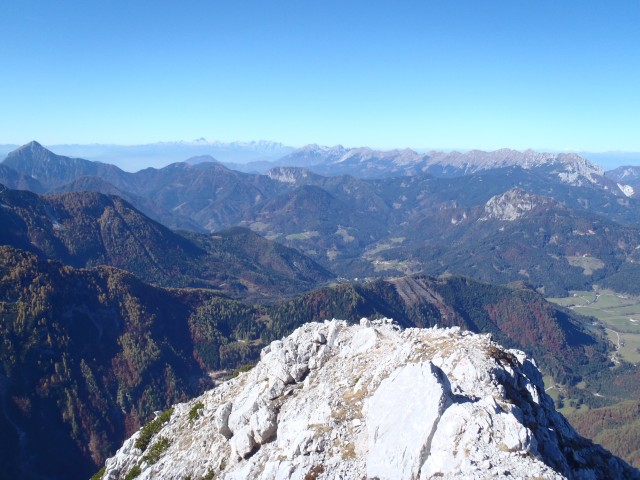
513,204
264,425
399,438
221,419
370,400
243,442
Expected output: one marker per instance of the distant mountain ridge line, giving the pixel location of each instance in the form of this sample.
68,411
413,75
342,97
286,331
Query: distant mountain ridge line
365,162
259,151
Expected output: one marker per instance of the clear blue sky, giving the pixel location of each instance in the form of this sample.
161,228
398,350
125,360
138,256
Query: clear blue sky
546,74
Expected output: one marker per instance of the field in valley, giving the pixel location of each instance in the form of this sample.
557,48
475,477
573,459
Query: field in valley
620,315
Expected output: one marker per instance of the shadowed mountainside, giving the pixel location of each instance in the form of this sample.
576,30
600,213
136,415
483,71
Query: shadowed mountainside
86,229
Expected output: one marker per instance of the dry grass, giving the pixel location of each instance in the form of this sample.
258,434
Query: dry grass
314,472
349,452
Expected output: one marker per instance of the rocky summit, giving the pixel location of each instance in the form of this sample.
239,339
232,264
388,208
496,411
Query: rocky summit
370,401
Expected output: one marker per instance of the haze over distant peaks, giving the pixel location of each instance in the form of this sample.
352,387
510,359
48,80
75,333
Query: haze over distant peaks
365,162
136,157
312,154
260,154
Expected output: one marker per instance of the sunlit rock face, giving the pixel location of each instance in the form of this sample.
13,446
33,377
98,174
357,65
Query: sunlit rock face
513,204
373,401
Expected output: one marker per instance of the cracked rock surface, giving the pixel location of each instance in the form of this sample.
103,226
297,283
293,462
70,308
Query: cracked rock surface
373,401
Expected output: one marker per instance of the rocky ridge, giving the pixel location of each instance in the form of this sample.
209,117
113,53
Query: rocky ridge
290,175
567,168
513,204
370,401
571,166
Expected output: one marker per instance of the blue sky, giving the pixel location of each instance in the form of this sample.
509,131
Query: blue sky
422,74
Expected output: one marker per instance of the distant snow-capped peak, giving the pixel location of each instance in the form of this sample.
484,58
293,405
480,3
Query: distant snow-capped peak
260,145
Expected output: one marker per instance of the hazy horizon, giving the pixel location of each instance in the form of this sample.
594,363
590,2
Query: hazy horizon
159,154
543,75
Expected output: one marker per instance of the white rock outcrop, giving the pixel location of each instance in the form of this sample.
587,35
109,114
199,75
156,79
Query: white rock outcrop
373,401
626,189
512,205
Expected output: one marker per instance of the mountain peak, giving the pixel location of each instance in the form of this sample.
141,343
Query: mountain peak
372,400
50,169
201,159
32,148
32,144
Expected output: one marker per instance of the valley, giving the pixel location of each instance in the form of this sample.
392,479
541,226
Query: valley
620,315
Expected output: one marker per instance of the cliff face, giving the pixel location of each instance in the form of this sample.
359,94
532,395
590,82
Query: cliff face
370,401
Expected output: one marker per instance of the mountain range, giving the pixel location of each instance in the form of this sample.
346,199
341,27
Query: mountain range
367,163
363,227
359,227
260,155
122,293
